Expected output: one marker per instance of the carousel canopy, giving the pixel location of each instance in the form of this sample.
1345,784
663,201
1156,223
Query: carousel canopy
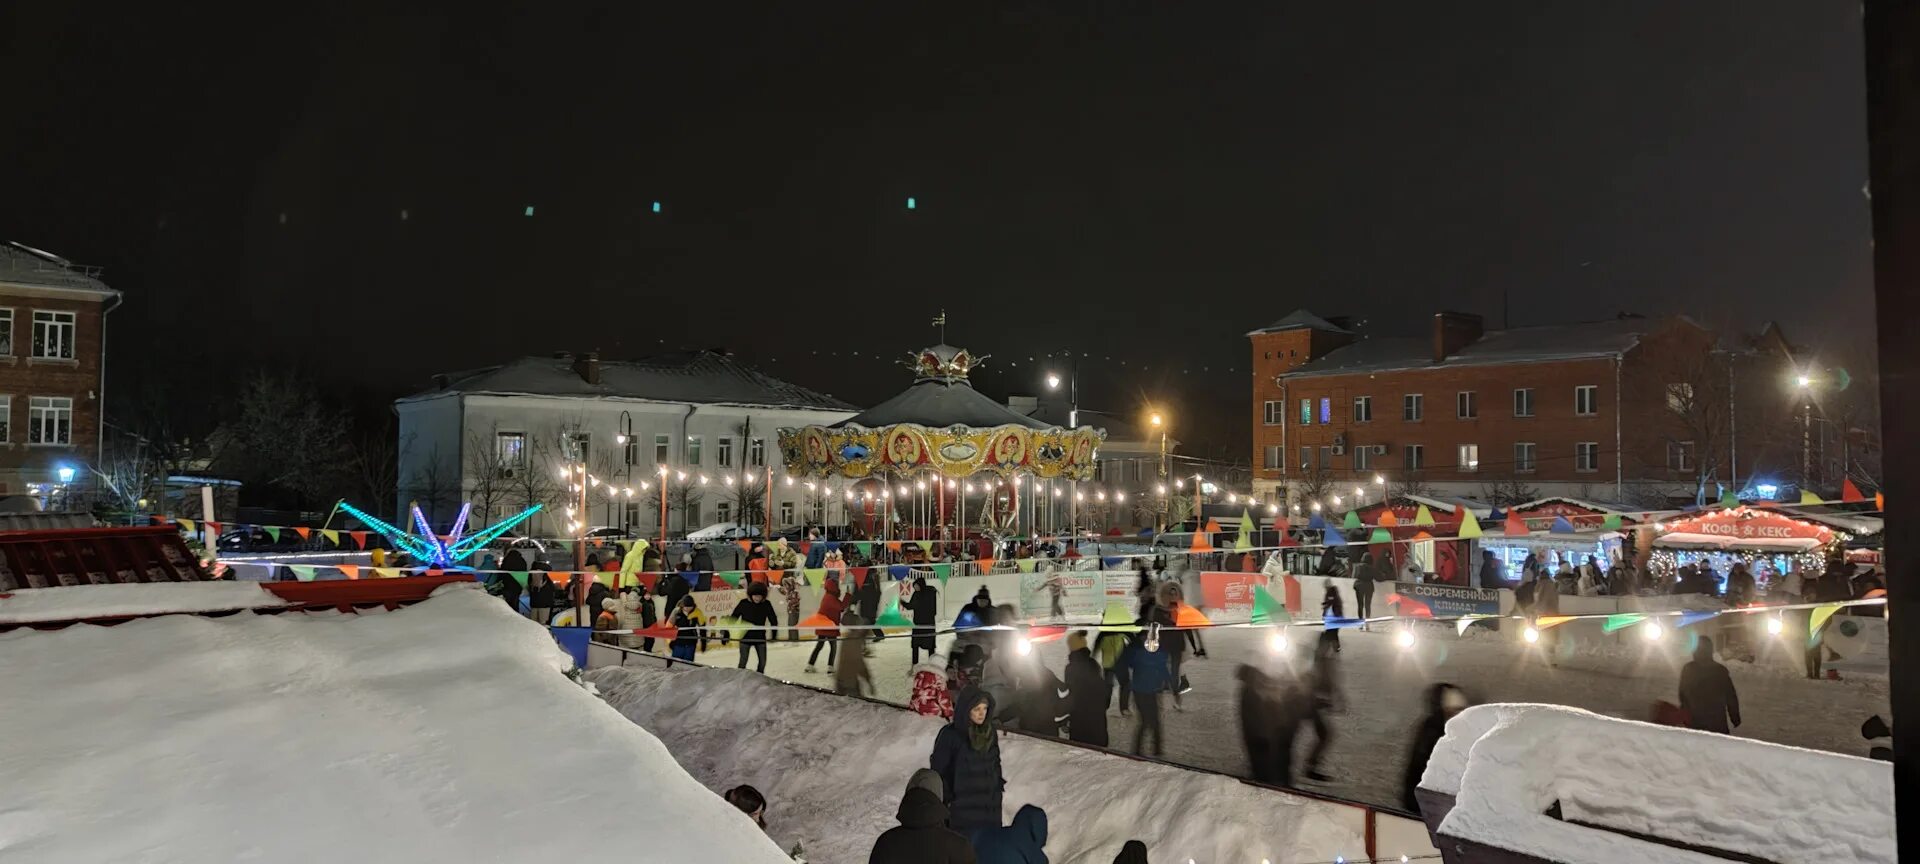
940,425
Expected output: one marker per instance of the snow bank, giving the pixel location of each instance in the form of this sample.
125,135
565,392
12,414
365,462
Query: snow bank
75,602
443,731
1508,763
833,770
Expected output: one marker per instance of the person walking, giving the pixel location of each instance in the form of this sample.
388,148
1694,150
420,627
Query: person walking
1260,727
922,837
790,584
1706,692
1331,606
868,597
925,604
687,635
832,606
1023,842
1107,647
755,610
1167,615
1491,575
966,753
1363,576
1152,674
852,678
1086,693
1325,700
1443,701
510,588
1134,852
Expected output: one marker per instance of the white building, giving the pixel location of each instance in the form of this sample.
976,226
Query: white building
502,439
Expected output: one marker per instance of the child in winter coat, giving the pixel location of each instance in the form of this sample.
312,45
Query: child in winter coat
853,662
608,619
832,605
790,584
689,633
627,616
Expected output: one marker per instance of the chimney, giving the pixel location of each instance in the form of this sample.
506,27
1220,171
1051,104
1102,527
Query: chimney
440,381
587,366
1453,331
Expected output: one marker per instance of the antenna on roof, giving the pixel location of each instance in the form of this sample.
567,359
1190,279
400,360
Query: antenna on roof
940,321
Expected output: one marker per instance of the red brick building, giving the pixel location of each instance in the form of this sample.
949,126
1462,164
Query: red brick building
1631,410
52,370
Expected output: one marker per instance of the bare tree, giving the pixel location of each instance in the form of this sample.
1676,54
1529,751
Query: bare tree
433,486
284,435
1412,483
1313,483
1699,413
685,500
534,483
376,464
489,472
1506,490
748,499
131,471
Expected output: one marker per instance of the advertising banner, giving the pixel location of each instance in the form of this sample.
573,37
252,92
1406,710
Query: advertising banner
1048,594
1444,601
1231,593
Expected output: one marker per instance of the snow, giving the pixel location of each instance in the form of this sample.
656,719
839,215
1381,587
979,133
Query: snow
1772,802
77,602
833,770
441,731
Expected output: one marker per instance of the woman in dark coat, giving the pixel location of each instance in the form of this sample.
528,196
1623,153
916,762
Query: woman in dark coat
541,593
1443,701
967,755
922,837
1086,693
510,588
925,603
702,564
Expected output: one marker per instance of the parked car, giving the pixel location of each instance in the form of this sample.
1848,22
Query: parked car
721,531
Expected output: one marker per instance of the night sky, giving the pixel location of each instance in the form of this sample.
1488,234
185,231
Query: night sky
1137,181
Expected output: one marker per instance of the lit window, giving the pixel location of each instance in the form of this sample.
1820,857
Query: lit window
1326,410
1469,457
1306,412
510,449
49,420
53,334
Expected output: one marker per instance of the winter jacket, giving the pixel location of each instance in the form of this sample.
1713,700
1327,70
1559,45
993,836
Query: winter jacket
973,780
1262,728
1135,852
674,587
627,616
1332,605
847,676
925,604
541,590
790,593
1432,728
832,607
931,697
1707,694
688,634
758,612
1023,842
868,596
1151,672
922,837
1000,677
702,561
1086,699
1041,705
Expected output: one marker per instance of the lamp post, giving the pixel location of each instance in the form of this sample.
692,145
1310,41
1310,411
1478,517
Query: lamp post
1805,383
1160,422
625,439
1073,390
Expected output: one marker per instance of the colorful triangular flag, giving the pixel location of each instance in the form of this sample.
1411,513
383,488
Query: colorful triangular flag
1460,626
1807,497
1850,493
359,538
1423,536
1116,619
330,535
1560,526
814,576
1381,535
1817,621
1688,619
1202,542
1516,526
519,576
303,572
1545,621
1611,523
303,531
1213,526
1266,609
1026,565
731,577
1423,517
273,531
1388,519
351,571
1625,619
1187,616
387,572
1728,499
186,525
890,616
1333,538
1351,521
1469,526
941,572
1316,523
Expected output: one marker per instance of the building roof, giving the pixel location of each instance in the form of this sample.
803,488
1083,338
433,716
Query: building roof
1301,319
700,377
937,404
1495,347
21,264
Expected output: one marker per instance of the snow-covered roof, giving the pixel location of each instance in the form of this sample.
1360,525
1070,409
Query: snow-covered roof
1300,319
697,377
1515,345
1600,506
939,404
441,731
21,264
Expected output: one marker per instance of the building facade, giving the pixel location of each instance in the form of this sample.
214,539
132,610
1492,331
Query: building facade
502,438
52,372
1631,410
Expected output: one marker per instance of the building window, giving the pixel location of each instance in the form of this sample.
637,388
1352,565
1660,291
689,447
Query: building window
1680,397
1586,400
662,448
1465,406
510,449
817,511
1326,458
1469,457
1326,410
1523,456
6,332
757,453
694,443
1586,456
6,419
1680,456
723,511
786,512
629,514
49,420
1306,412
1416,456
578,446
1363,458
1523,402
723,452
1272,456
633,451
1270,413
1363,409
53,334
1306,458
1411,407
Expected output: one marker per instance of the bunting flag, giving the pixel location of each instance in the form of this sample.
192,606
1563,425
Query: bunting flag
1460,626
1423,517
899,571
215,526
662,629
1213,526
273,532
1625,619
1516,526
1545,621
983,566
1849,493
814,576
303,572
1388,519
351,571
563,578
1046,633
1469,526
1818,621
1728,499
1809,498
1423,536
330,535
1560,526
1380,535
304,532
1249,563
806,547
817,620
1026,565
745,545
1351,522
1116,619
1202,542
1243,542
941,572
859,577
359,538
1286,539
890,617
690,577
1113,561
1688,619
734,627
1879,501
1266,609
731,577
864,547
520,576
926,546
1316,523
893,545
1333,538
187,526
1494,515
1187,616
1332,623
387,572
1611,523
1409,608
1280,524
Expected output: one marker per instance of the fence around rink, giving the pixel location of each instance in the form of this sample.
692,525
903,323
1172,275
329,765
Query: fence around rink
1390,835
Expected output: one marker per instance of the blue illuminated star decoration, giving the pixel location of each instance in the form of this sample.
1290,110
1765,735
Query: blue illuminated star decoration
432,549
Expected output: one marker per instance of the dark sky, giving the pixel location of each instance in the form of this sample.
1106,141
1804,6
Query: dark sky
1136,181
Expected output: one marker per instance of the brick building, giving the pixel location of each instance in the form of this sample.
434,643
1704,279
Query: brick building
52,371
1632,410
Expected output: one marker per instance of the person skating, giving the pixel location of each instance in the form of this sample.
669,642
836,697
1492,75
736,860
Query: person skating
922,837
925,603
1443,701
687,635
1039,697
852,678
702,566
1363,575
1023,842
1706,692
966,753
790,584
756,610
1325,697
1174,642
1331,606
1107,647
1086,693
1152,673
832,606
868,597
1268,719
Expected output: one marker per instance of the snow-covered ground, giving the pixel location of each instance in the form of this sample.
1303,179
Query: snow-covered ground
833,770
443,731
1384,687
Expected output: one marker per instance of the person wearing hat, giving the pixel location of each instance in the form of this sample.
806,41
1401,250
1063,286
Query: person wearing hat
755,610
1086,693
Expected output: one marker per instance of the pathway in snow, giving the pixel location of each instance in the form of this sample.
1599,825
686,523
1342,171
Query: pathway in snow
1385,694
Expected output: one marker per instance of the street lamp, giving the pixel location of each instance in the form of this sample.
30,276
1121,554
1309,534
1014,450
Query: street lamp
1805,382
1073,391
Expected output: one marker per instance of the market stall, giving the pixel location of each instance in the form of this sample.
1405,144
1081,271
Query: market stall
1767,540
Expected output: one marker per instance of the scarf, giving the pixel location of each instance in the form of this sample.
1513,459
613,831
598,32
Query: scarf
981,736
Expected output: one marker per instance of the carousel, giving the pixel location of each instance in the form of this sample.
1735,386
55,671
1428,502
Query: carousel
922,464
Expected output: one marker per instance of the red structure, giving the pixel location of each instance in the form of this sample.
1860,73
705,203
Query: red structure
95,556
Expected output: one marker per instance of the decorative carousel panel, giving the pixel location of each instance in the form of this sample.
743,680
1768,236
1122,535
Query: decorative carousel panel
1009,447
906,445
1049,449
959,451
855,451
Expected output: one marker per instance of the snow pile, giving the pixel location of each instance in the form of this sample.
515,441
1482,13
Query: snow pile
443,731
833,770
76,602
1768,801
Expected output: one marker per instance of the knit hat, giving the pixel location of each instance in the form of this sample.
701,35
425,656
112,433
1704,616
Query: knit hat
1076,640
928,779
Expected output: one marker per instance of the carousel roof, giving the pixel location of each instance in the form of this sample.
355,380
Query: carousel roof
941,397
